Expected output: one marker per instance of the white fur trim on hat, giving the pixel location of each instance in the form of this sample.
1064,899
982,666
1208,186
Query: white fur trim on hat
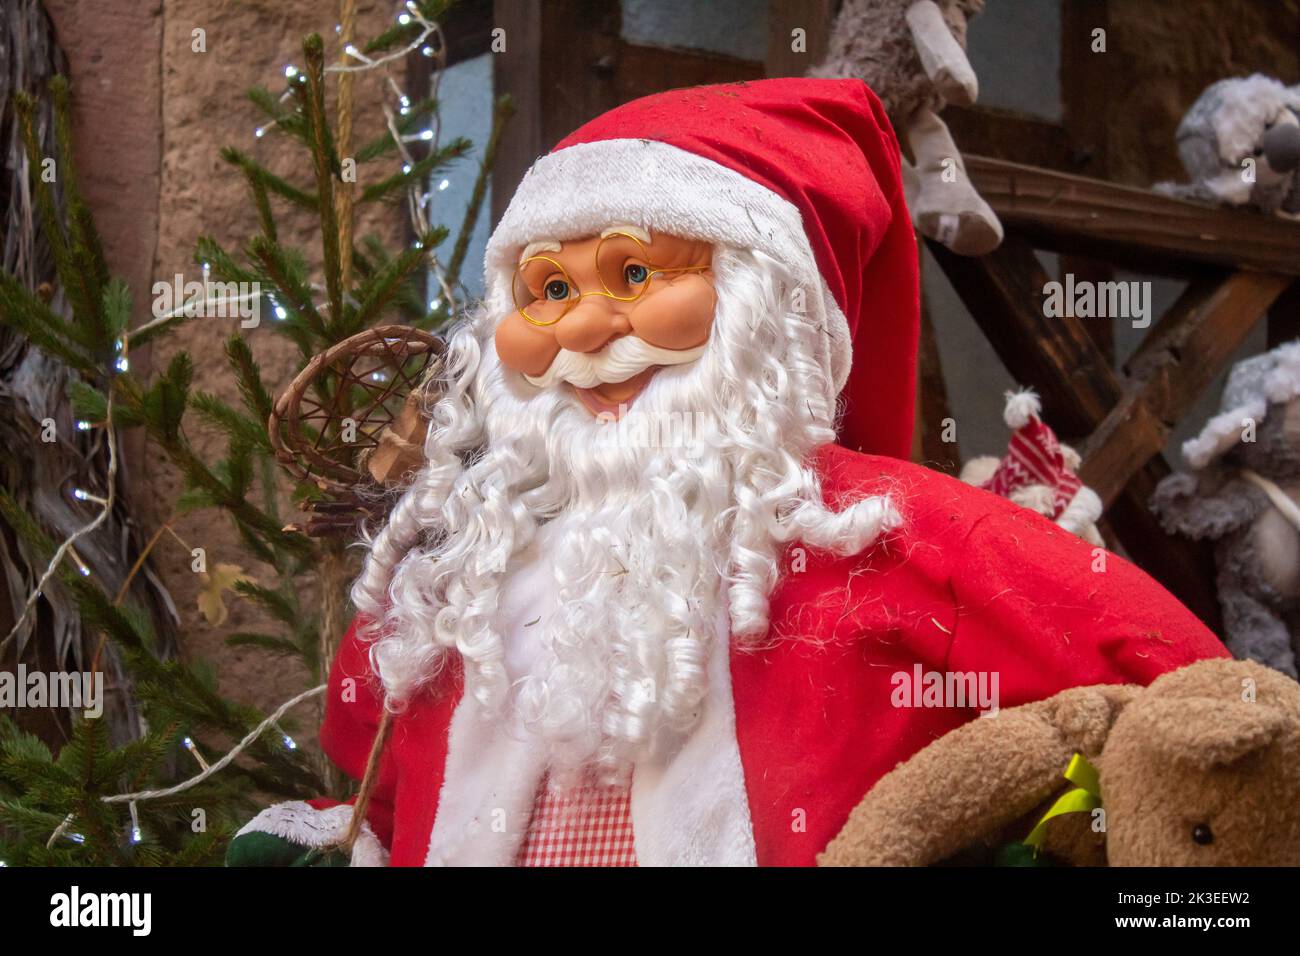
1221,432
580,190
1021,406
299,822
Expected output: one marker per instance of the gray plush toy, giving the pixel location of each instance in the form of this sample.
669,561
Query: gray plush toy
912,53
1240,143
1242,493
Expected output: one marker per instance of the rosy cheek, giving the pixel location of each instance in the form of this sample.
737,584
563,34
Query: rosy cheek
678,316
523,347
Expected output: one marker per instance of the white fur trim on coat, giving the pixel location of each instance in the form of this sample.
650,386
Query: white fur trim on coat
1083,510
301,823
1221,433
689,807
580,190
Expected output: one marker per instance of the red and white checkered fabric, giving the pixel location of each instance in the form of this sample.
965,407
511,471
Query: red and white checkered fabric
586,825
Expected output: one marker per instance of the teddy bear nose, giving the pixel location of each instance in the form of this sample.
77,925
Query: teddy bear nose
1281,147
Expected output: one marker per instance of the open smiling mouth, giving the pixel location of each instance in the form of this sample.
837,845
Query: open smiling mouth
612,398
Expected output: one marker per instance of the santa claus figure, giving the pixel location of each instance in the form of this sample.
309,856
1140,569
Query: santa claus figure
665,591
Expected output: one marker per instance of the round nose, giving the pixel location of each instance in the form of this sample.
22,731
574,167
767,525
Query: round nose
1281,147
591,324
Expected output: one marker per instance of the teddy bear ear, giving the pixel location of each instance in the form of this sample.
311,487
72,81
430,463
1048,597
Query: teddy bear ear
1203,731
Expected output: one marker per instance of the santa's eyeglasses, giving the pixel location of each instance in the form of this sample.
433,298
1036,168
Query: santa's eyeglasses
622,266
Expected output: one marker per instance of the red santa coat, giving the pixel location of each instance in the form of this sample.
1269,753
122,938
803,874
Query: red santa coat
970,583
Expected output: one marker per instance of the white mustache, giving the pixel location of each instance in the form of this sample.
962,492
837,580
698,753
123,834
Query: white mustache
616,362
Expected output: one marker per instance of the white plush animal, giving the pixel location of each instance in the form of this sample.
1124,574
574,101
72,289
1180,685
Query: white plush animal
1240,143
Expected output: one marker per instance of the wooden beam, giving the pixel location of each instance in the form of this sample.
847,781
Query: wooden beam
1004,134
1003,291
516,71
784,17
1193,343
467,29
1087,79
1284,317
642,70
1132,227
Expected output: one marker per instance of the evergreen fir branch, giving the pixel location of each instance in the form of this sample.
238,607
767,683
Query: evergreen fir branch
86,247
237,426
27,315
264,552
165,403
249,379
289,122
274,604
76,284
223,265
239,466
387,189
46,204
406,33
325,164
380,288
405,124
20,815
288,277
259,176
267,642
116,308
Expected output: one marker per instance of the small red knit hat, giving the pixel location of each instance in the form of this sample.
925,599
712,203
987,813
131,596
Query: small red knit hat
803,170
1035,457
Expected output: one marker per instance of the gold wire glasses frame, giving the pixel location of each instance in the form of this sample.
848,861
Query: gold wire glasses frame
559,293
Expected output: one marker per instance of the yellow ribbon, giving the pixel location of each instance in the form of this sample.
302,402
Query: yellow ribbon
1083,798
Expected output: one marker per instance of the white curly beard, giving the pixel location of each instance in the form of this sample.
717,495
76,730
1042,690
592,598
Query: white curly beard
646,544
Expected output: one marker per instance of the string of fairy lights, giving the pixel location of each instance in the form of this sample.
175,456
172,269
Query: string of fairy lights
429,41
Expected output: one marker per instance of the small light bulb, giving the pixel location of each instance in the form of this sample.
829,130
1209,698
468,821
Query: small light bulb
289,743
187,743
426,135
80,495
259,132
76,838
122,364
83,425
444,184
280,312
290,71
406,167
350,50
403,18
427,51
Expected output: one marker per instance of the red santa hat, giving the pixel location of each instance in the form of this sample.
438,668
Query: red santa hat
803,170
1035,458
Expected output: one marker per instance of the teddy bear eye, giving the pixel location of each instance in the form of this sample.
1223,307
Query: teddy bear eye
1202,834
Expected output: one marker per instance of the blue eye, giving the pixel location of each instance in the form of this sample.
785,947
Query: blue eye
557,290
635,274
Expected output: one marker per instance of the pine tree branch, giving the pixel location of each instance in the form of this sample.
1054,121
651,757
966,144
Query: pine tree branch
324,163
417,172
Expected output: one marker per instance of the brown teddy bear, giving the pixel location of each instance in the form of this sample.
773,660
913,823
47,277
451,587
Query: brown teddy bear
1201,768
